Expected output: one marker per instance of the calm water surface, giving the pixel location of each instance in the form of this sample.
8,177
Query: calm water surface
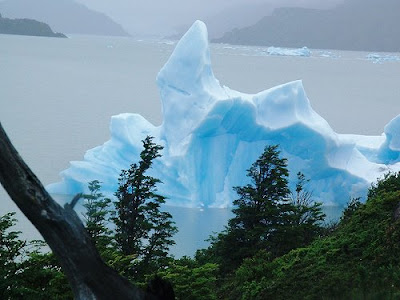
57,97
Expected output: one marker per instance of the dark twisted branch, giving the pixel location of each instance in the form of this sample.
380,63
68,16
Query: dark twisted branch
89,276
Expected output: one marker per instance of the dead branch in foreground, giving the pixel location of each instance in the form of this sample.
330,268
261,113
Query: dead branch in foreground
89,276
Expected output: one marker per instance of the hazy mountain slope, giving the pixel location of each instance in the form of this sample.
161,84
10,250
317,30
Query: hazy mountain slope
236,16
246,14
26,27
371,25
65,16
160,18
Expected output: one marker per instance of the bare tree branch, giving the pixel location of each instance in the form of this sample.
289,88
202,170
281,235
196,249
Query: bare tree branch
89,276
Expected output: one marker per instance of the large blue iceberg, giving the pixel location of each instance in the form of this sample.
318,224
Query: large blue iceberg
212,134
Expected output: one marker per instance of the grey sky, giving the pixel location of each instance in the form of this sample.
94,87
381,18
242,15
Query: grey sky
163,17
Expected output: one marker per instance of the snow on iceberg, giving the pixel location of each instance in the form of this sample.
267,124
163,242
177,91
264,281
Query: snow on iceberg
212,134
289,52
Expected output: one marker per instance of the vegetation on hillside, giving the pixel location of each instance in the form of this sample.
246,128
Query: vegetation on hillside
276,246
359,260
26,27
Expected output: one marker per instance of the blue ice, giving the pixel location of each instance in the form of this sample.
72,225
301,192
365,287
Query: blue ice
212,134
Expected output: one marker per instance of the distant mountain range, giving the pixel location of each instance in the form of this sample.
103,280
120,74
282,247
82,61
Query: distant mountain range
65,16
369,25
26,27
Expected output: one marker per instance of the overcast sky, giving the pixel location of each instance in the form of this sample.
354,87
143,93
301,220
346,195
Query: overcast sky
163,17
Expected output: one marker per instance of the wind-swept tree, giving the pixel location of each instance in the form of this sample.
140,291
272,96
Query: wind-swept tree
263,203
88,275
266,217
142,229
259,214
307,216
97,215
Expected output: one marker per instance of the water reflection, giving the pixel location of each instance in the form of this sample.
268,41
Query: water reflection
196,225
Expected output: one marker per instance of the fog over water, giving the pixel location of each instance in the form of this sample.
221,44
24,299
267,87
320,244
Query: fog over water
159,17
57,95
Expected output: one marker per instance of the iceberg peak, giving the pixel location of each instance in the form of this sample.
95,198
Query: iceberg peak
189,67
188,88
211,136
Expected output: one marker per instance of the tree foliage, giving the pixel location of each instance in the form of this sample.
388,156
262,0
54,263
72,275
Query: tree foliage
307,216
41,277
97,216
359,260
142,229
263,202
26,272
191,280
11,252
267,216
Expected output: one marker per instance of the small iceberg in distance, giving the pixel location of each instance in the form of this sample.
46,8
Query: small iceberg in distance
328,54
381,58
212,134
289,52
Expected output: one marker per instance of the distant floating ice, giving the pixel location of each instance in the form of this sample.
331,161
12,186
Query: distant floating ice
212,134
289,52
167,42
328,54
378,58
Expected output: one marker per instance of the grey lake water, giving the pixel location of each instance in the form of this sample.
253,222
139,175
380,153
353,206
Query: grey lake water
57,97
